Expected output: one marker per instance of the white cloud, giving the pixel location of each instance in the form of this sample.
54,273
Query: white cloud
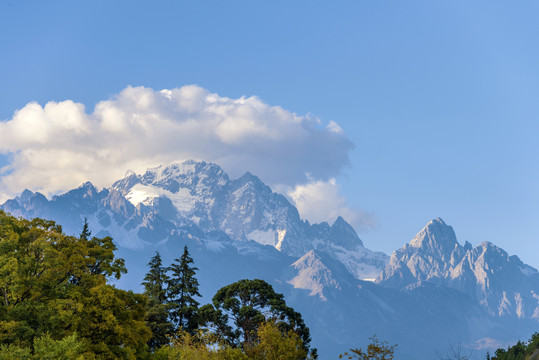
320,200
59,146
333,126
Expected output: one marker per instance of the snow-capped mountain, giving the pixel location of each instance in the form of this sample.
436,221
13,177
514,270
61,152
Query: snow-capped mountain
141,210
501,283
430,294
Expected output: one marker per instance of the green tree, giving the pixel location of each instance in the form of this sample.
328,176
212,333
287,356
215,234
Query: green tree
45,348
68,348
56,285
249,303
201,345
376,350
182,289
272,344
85,234
520,351
157,310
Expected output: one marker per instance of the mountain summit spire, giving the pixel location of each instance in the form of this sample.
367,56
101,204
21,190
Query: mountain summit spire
437,237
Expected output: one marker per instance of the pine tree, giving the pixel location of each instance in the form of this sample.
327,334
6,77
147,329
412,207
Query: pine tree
85,233
156,280
182,288
157,309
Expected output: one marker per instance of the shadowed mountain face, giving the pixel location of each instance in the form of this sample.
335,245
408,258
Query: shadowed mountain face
431,293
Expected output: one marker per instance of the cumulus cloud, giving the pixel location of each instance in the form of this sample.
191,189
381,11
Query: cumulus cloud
58,146
320,200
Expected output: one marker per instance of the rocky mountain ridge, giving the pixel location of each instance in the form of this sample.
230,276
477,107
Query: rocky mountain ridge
431,291
501,283
198,197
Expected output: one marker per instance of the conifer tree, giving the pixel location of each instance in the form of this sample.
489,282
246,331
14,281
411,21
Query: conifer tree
182,289
156,279
157,309
85,233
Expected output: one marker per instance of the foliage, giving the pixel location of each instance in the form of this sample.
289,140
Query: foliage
273,344
182,289
201,345
157,309
14,352
156,280
249,303
520,351
67,348
45,348
56,303
53,286
376,350
270,343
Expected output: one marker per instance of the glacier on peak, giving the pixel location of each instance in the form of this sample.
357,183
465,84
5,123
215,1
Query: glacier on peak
200,195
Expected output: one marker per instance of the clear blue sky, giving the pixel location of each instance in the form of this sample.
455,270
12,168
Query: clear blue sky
440,98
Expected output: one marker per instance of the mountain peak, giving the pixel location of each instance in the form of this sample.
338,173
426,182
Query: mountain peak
129,173
26,195
436,235
87,185
87,189
183,168
339,221
344,234
312,274
188,174
248,176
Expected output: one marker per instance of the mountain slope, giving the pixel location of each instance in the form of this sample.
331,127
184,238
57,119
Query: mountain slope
501,283
431,293
140,211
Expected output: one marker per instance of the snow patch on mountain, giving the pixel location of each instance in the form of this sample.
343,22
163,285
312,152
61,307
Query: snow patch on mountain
127,238
268,237
280,237
182,199
362,263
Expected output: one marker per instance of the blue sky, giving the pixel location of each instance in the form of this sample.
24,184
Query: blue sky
440,99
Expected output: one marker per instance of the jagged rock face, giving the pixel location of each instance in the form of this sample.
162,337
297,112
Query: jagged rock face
501,283
199,198
311,272
432,289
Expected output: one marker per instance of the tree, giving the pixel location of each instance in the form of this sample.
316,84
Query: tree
201,345
157,309
249,303
56,285
85,233
156,279
376,350
182,289
272,344
520,351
